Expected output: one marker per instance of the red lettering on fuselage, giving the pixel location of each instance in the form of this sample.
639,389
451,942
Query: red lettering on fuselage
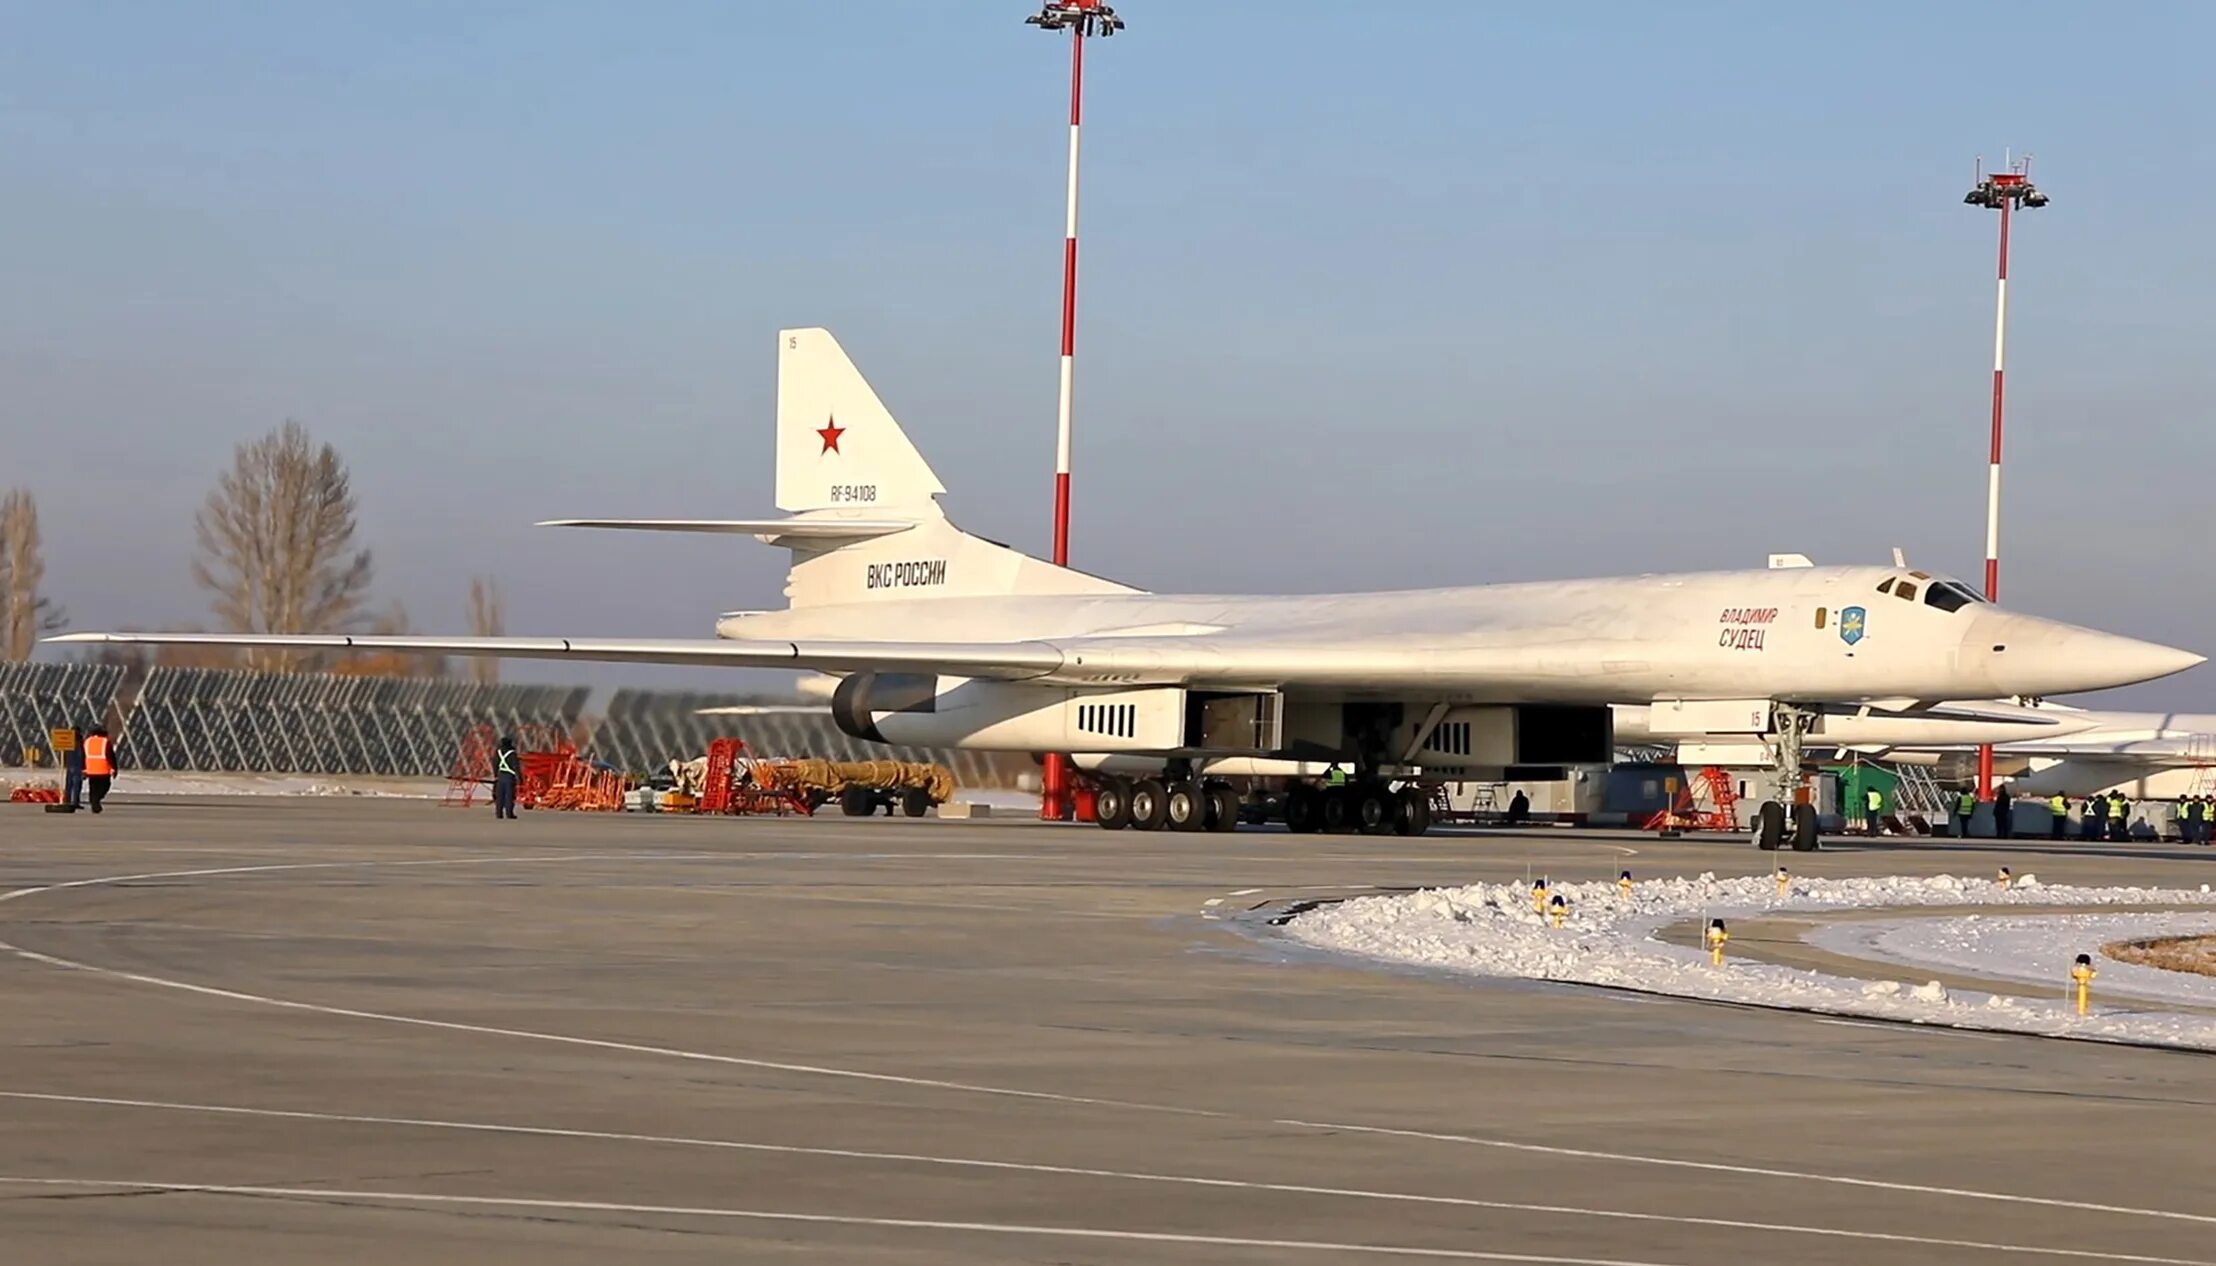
1747,615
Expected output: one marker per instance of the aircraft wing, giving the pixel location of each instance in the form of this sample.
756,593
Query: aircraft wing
2142,751
799,529
1009,661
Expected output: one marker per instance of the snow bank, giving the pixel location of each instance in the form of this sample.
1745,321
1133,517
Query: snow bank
2033,948
133,783
1492,930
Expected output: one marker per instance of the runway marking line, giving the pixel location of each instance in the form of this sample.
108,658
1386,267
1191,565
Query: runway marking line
324,1195
1473,1140
1192,1180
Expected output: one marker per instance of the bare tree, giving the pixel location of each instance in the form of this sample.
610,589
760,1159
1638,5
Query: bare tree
25,615
488,617
276,543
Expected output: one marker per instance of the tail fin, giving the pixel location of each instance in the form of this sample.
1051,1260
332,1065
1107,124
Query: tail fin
837,446
838,449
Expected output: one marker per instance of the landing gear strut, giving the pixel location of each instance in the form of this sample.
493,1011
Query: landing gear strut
1772,826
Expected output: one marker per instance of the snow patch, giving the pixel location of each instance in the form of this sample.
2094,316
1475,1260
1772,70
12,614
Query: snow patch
1494,930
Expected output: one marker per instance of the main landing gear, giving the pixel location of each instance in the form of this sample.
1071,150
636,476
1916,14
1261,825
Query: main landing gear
1773,825
1366,806
1178,803
1184,803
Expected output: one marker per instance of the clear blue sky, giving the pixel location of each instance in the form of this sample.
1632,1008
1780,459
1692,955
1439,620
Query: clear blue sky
1373,295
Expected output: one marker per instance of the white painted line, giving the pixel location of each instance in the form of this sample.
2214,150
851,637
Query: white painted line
1214,901
1245,892
912,1158
1758,1171
1473,1140
455,1026
772,1215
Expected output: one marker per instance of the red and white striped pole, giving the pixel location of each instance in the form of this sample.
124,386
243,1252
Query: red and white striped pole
1081,18
1993,471
2002,191
1069,309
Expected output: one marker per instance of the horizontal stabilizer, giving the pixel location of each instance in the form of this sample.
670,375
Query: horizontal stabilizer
792,529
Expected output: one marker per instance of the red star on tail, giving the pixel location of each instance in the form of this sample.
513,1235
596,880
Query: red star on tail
831,432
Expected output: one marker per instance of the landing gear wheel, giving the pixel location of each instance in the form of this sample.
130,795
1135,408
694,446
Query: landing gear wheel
1223,807
1804,828
1769,826
855,803
1337,808
1112,804
1303,810
1373,810
915,802
1411,812
1150,804
1186,807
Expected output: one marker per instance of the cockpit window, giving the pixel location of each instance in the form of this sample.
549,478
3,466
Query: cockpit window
1949,596
1886,586
1905,590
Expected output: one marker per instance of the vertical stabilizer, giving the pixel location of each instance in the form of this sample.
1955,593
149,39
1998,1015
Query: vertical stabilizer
837,445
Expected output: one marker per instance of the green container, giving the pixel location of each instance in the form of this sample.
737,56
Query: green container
1854,780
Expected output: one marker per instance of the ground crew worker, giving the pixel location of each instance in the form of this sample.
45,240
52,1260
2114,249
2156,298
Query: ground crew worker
2119,817
2193,820
1965,807
507,767
99,766
2058,815
1873,808
1519,808
2004,814
73,771
2096,812
1334,776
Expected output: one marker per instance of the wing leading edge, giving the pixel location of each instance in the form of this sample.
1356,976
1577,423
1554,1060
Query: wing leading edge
1008,661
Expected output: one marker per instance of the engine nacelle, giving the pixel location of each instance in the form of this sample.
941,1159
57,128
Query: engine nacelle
920,710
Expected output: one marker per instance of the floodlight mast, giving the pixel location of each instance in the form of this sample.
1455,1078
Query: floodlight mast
1082,19
2002,191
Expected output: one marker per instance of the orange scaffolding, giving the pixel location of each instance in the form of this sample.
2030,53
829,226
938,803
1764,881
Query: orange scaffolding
1686,812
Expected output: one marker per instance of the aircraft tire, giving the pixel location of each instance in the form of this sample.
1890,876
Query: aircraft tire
1337,808
1186,806
1112,804
1150,804
1223,807
1804,828
1303,810
1769,826
1373,809
1411,812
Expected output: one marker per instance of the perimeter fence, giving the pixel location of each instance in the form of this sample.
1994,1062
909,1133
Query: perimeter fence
214,720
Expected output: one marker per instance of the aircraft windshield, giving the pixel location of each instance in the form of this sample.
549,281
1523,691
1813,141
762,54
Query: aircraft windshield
1947,595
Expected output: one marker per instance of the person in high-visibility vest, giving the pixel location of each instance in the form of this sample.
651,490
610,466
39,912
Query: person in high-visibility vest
2193,820
2119,817
1965,808
507,768
2058,816
1873,809
99,766
2096,813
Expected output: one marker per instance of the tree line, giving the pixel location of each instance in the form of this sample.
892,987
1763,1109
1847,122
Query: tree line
274,548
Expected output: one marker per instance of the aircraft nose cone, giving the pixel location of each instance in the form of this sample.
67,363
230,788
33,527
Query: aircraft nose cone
2029,656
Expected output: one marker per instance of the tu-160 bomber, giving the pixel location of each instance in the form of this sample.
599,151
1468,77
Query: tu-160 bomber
942,638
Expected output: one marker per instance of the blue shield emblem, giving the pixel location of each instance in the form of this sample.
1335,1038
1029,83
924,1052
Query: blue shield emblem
1851,623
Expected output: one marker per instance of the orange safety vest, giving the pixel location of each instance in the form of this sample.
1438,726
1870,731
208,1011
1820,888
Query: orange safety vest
97,764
